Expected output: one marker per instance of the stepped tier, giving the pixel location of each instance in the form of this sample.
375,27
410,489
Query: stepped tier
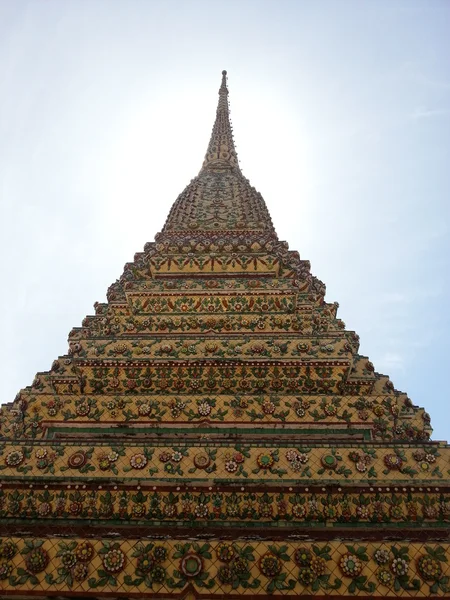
213,431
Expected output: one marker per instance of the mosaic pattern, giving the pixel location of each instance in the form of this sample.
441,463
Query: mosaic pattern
213,431
219,568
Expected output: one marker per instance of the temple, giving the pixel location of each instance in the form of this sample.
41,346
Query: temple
213,431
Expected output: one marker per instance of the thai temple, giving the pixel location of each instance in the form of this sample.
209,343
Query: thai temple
213,432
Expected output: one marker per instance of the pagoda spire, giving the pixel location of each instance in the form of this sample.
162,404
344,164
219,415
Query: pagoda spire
221,153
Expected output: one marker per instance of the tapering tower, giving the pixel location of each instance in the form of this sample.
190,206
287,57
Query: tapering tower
213,431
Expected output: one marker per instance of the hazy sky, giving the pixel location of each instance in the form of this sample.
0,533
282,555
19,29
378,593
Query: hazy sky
341,114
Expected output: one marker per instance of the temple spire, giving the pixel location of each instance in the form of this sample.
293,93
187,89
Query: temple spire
221,153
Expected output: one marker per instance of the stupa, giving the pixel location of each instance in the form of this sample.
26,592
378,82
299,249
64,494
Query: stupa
213,431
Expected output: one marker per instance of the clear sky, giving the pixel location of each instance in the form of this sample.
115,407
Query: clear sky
341,114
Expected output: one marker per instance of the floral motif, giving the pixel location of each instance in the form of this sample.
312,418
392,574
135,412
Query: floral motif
84,551
329,461
158,574
14,458
145,563
265,460
160,553
384,576
399,566
114,560
144,410
318,565
268,407
270,565
225,575
68,559
5,569
191,565
225,552
291,455
351,565
8,549
77,460
303,557
79,572
306,576
37,560
204,409
138,461
83,409
429,568
231,466
393,462
202,460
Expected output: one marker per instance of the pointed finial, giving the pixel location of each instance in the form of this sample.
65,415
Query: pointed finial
224,81
221,152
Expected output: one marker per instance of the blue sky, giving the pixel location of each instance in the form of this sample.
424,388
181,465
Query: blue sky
341,113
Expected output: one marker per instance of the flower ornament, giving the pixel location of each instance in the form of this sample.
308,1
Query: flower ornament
268,407
225,575
160,554
265,461
225,552
138,461
84,551
145,563
231,466
303,557
429,568
138,510
5,570
191,565
165,457
37,560
14,458
103,462
202,460
83,409
238,457
68,559
114,560
204,409
112,456
270,565
79,572
299,511
306,576
144,410
384,576
393,462
291,455
399,566
8,550
350,565
329,461
77,460
201,511
158,574
318,565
